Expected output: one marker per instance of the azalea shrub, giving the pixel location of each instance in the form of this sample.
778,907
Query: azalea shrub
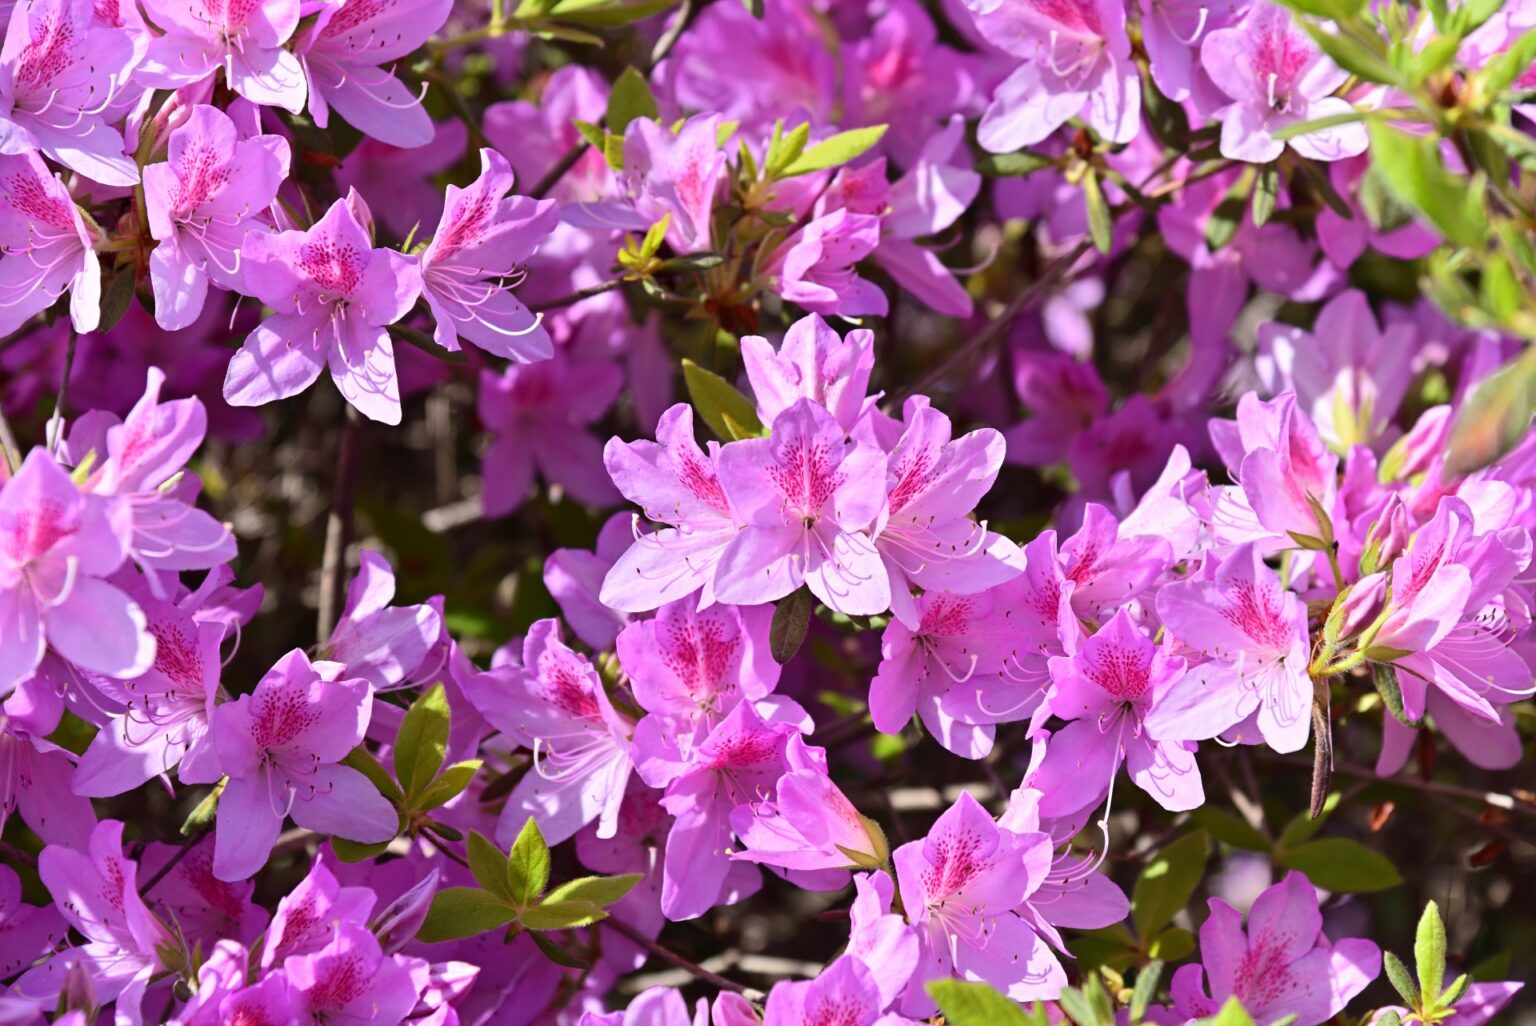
822,512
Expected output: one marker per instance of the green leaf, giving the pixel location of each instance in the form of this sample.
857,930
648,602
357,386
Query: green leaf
715,398
598,890
459,912
1145,990
1230,828
1384,676
561,915
1302,826
1168,882
784,148
1172,945
1265,189
1343,866
629,100
528,865
1397,974
1333,10
489,865
1224,221
447,787
1353,56
609,13
754,8
1232,1014
1167,119
1503,295
975,1004
1494,80
1012,165
835,150
1412,169
352,851
1454,992
1100,223
1429,954
1495,418
422,740
593,134
1296,128
791,618
1078,1008
116,298
556,954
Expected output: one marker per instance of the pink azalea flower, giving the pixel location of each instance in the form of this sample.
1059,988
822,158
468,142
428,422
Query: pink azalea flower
960,887
247,41
64,69
351,982
813,362
926,537
1281,965
38,784
806,496
809,827
374,640
959,670
483,240
342,54
97,892
27,932
658,1006
281,747
1284,470
203,907
202,201
1275,76
574,579
1076,61
814,267
555,706
143,460
1253,634
334,295
845,994
538,415
1105,690
46,247
56,545
676,175
308,914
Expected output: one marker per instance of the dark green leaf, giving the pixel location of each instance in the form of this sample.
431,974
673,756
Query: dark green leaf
352,851
1224,221
791,619
629,100
1172,945
1265,189
1168,882
1167,119
975,1004
460,912
1303,826
116,298
1230,828
489,864
1343,866
556,954
1012,165
714,398
754,8
422,740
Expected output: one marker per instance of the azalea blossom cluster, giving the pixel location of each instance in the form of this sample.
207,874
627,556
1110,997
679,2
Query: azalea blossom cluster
837,514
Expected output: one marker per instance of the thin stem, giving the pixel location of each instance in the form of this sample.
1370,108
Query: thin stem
55,433
10,450
579,295
552,177
668,955
171,863
338,528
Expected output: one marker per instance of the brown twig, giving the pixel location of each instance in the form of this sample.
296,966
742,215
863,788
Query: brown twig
668,955
580,294
10,449
338,528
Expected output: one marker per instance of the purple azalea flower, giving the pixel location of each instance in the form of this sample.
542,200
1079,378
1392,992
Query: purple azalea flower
281,747
334,295
658,1006
1284,468
555,706
539,414
808,827
1275,76
56,545
46,246
813,362
960,887
201,203
814,267
203,907
960,670
307,915
806,496
1253,634
143,460
342,54
351,982
1280,965
247,41
38,785
374,640
64,70
482,241
1076,61
676,484
574,578
27,932
1105,690
846,994
704,782
676,175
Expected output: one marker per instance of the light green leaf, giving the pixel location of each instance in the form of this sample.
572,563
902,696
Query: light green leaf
446,787
1411,167
835,150
365,763
598,890
1402,982
1429,954
975,1004
422,740
1168,882
715,398
1495,418
1265,190
459,912
1145,990
561,915
1100,223
608,13
1232,1014
201,816
528,865
1343,866
1012,165
1353,56
489,865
